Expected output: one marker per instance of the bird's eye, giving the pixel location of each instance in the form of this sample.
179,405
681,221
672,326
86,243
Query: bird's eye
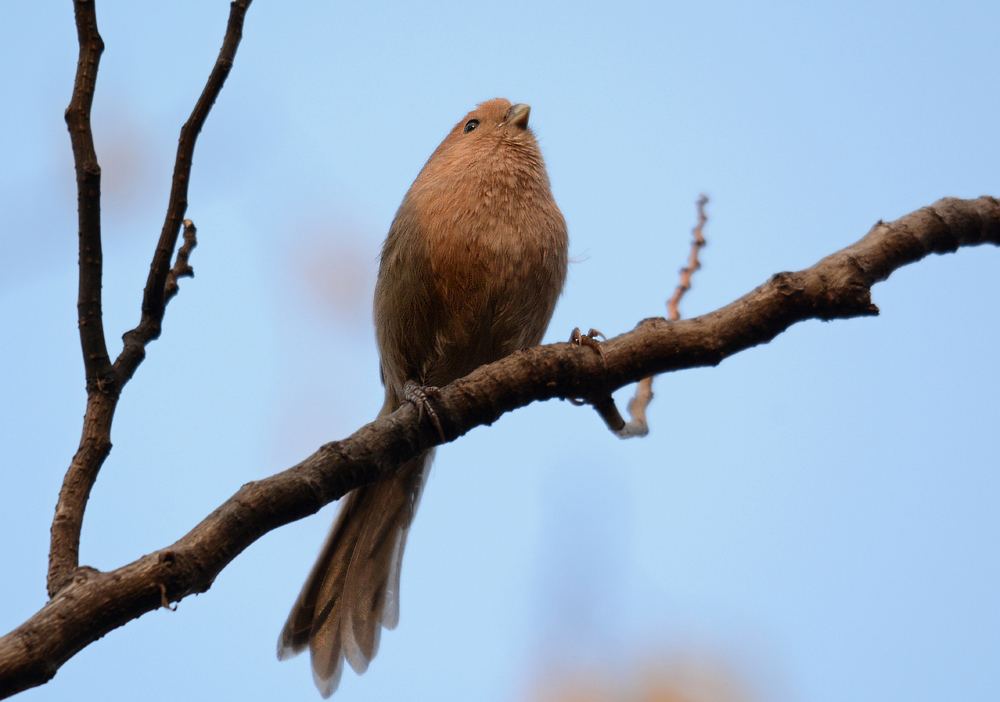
470,125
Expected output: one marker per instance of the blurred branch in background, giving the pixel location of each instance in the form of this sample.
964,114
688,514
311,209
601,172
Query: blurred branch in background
637,425
697,242
675,676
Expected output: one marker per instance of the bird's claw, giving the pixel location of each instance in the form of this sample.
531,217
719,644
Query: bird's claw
589,339
420,396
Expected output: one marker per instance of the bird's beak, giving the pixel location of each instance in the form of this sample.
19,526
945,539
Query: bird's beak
518,115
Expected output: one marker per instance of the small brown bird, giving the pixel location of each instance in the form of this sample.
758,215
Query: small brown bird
470,272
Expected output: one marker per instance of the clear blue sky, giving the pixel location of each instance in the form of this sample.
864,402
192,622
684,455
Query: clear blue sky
817,516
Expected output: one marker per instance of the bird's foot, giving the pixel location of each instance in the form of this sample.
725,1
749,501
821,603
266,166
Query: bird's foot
420,396
590,340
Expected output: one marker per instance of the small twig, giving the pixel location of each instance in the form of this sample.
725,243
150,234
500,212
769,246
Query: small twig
697,242
181,269
637,425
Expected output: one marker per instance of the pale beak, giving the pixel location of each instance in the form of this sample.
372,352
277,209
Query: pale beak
518,115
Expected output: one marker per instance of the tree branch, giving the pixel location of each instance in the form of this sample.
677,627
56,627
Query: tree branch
154,298
693,264
637,425
101,379
88,187
104,380
837,287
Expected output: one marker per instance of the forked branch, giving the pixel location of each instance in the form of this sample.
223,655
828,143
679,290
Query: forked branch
104,380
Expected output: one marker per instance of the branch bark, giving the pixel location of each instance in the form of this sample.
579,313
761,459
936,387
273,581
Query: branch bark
102,394
154,297
838,287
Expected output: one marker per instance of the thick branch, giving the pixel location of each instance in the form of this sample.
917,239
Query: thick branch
838,287
104,381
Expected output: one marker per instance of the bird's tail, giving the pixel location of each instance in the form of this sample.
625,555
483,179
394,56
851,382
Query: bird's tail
353,589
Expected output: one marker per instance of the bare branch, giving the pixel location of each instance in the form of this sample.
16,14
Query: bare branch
88,188
637,425
837,287
697,242
101,378
154,297
104,381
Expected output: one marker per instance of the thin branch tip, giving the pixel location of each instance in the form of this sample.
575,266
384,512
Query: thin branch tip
157,294
637,425
181,267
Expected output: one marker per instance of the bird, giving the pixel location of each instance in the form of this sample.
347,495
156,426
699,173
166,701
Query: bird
470,271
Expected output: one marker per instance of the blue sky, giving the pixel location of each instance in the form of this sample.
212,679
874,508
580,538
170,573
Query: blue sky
816,517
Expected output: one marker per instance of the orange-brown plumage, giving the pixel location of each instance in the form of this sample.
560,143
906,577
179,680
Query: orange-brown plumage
470,272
